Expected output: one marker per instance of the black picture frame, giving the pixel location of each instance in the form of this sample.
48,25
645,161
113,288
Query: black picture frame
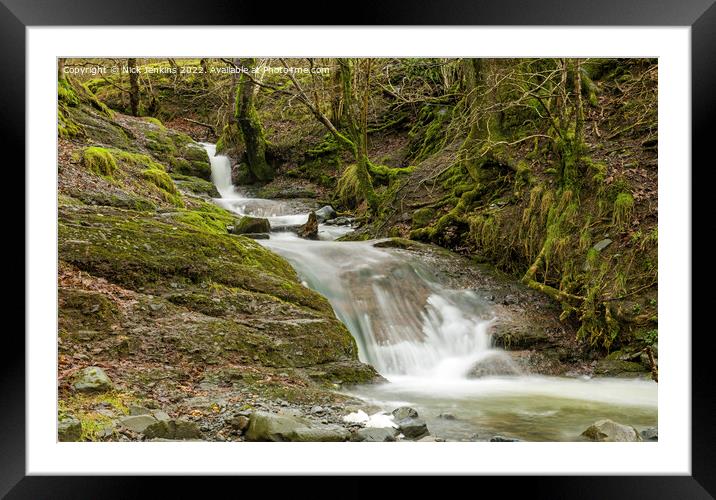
700,15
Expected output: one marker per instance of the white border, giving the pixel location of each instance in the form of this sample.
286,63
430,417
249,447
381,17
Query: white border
670,455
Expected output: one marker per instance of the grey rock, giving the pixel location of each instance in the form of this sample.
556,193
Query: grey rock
608,430
291,412
322,434
601,245
92,379
405,412
186,429
325,213
376,435
497,364
340,221
138,410
239,422
179,429
447,416
265,426
69,428
160,415
413,428
317,410
428,439
503,439
650,434
137,423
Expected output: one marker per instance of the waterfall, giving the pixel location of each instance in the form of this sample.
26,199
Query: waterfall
220,172
429,340
404,323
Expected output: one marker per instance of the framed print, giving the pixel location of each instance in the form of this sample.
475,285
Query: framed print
284,242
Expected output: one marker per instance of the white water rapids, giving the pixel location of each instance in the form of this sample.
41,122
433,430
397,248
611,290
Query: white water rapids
425,339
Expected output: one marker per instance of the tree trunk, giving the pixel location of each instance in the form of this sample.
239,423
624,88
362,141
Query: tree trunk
133,86
60,68
358,132
250,126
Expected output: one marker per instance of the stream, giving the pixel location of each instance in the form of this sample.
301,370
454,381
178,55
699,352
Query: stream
425,338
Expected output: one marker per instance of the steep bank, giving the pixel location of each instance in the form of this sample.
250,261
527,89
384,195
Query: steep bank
180,315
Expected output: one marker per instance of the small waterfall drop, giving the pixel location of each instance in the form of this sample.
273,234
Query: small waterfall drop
220,172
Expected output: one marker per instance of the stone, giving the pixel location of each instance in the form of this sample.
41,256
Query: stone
602,244
69,428
325,213
138,410
179,429
413,428
265,426
160,415
447,416
137,423
608,430
186,429
257,236
92,379
310,229
503,439
497,364
317,410
620,368
320,434
251,225
405,412
376,434
341,221
291,412
650,434
240,422
428,439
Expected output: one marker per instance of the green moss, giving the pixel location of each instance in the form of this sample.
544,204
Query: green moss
84,407
154,121
167,188
66,93
195,185
422,217
205,219
136,249
160,142
348,191
623,207
99,161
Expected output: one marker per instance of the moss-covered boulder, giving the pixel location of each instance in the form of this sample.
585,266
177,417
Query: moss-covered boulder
92,379
251,225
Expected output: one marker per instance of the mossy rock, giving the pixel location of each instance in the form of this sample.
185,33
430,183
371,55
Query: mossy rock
619,368
99,161
251,225
92,379
422,217
69,428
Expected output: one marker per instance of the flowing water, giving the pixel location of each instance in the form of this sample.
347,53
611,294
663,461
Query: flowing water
425,338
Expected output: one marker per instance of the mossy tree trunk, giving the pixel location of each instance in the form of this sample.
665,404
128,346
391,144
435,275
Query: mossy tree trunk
358,131
133,86
250,125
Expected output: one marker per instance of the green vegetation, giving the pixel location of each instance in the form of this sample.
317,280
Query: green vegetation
99,160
